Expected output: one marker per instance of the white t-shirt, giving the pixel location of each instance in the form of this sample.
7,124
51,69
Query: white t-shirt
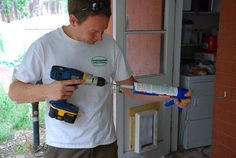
94,124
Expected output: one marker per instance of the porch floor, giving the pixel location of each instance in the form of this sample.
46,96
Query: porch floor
203,152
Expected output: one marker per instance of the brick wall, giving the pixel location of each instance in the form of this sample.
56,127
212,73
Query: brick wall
224,117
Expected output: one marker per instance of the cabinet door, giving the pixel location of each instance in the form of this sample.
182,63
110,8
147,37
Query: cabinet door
202,88
197,133
201,106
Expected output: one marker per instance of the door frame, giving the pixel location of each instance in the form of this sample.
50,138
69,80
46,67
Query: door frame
176,71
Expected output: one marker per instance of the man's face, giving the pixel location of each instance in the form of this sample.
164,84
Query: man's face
91,30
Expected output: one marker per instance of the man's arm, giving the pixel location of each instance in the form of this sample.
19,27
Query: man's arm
28,93
128,92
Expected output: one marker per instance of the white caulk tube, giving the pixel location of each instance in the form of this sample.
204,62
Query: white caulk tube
150,89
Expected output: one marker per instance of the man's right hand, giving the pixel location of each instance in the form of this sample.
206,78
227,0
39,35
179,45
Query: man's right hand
59,90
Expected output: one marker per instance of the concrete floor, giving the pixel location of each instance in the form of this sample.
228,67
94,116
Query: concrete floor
203,152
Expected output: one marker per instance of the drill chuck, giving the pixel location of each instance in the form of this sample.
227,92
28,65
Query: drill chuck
101,81
94,80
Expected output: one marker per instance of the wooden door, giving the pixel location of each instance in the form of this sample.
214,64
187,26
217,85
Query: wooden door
145,31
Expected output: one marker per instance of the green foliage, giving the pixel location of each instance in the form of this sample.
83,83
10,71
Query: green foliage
1,44
7,5
64,4
12,115
21,6
42,108
21,149
15,116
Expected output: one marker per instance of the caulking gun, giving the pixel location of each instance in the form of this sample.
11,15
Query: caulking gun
150,89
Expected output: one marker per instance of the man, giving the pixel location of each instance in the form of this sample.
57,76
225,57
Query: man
76,46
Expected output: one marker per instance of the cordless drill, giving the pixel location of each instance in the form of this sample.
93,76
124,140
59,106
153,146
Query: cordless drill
60,109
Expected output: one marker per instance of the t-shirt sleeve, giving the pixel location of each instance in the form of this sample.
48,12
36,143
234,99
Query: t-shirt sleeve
122,69
29,71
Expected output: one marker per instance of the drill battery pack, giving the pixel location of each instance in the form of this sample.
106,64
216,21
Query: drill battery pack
63,111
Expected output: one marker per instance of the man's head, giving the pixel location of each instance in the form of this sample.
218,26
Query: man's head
82,9
88,19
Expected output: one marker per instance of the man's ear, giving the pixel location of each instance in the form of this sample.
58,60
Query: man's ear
73,20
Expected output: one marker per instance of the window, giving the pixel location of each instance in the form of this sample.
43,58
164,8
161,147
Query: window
144,31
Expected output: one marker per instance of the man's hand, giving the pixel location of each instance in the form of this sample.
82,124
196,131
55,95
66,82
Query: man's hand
59,90
183,103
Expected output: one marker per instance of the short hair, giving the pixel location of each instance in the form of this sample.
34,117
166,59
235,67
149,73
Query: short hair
82,9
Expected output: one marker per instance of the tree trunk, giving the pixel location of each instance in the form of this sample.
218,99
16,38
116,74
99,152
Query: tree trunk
2,15
15,11
8,18
53,7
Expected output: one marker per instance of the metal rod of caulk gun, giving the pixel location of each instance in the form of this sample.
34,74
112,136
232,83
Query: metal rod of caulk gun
126,86
122,85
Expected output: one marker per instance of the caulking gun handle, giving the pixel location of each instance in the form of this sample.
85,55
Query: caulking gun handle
180,95
170,103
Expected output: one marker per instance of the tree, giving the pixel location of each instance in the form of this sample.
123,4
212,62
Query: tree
6,9
22,8
18,9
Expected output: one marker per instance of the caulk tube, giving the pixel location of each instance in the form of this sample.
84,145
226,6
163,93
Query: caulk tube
150,89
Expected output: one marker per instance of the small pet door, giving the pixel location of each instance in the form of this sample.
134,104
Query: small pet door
146,131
